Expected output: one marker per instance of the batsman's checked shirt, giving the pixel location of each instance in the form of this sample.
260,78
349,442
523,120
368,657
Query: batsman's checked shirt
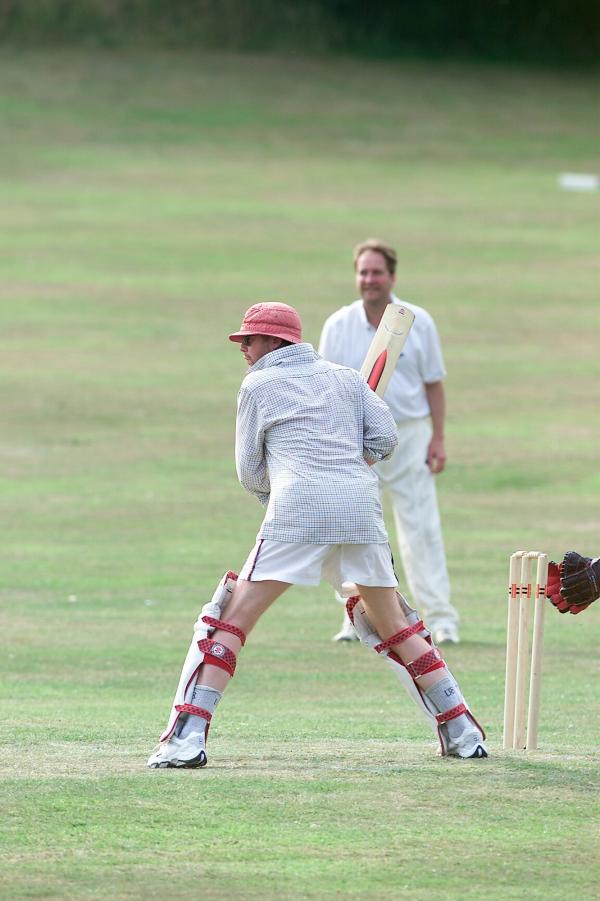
303,425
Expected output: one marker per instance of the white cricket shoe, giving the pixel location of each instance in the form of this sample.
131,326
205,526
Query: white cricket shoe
468,745
188,753
445,635
347,632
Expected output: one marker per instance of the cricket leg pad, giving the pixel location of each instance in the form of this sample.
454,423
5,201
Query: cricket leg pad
410,614
369,637
209,619
466,745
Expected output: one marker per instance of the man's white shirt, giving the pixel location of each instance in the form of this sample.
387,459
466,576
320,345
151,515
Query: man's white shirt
347,335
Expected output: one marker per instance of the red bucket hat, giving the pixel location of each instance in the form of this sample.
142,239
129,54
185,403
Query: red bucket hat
276,319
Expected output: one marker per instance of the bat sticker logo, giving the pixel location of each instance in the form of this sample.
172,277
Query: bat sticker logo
392,331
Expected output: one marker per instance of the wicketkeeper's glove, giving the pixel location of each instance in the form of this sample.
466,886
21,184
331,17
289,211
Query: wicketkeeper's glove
575,584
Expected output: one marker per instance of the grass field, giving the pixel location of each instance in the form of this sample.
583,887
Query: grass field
147,200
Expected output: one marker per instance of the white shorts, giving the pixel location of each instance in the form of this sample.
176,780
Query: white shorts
307,564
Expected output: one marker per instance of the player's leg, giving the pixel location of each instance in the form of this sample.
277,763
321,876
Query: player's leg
248,603
184,746
220,632
418,528
389,620
461,736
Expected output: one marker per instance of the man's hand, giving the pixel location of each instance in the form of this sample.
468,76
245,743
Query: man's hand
580,579
575,584
436,455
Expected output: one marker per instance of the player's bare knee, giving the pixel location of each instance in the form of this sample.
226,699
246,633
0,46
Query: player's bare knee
250,600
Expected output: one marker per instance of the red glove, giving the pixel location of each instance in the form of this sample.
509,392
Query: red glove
562,578
553,587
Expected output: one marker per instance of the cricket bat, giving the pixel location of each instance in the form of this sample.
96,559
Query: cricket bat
386,347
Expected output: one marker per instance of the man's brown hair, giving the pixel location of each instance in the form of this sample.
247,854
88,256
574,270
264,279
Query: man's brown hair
387,252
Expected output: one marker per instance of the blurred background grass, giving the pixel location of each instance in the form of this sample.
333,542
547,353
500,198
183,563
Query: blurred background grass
148,199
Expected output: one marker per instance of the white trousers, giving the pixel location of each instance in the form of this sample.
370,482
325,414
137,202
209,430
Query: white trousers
418,527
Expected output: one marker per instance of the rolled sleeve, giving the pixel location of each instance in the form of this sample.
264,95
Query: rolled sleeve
432,361
250,449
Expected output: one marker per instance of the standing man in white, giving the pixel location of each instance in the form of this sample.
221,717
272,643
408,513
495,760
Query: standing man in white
416,400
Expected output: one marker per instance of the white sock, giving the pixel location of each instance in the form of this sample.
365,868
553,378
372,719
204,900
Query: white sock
445,695
203,696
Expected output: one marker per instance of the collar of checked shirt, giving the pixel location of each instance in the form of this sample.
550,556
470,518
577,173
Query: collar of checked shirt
291,354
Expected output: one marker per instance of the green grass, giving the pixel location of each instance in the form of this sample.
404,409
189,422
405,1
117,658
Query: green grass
148,199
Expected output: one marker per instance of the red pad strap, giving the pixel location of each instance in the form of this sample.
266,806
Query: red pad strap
194,711
427,663
227,627
452,713
399,637
218,654
350,605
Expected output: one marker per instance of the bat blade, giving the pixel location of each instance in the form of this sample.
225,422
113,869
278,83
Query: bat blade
386,346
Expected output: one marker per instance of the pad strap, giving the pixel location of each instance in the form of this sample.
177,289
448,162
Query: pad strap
452,714
399,637
194,711
350,605
218,654
427,663
227,627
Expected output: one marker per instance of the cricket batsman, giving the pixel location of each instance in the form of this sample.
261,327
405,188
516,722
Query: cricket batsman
307,433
